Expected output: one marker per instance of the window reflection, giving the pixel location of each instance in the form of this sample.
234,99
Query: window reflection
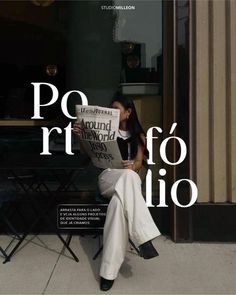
76,45
94,50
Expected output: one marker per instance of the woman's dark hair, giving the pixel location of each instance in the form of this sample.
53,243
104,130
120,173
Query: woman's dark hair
133,124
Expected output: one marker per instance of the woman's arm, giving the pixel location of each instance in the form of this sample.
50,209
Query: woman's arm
77,130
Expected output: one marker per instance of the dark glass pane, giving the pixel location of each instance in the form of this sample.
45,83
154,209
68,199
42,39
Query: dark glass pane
96,47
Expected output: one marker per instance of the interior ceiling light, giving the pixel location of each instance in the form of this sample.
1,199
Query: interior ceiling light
42,3
127,47
51,70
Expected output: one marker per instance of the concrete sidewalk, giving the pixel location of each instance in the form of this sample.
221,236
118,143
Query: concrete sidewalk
40,267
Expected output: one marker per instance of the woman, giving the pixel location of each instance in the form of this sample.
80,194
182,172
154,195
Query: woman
127,213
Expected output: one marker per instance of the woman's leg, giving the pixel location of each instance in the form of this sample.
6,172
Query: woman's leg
127,214
115,239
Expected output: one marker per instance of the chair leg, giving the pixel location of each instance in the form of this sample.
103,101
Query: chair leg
14,249
17,236
3,252
11,242
68,239
67,246
98,252
133,245
8,223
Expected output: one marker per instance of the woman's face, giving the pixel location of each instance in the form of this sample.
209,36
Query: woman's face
124,114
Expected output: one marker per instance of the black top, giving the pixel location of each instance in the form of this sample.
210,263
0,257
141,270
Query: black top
123,146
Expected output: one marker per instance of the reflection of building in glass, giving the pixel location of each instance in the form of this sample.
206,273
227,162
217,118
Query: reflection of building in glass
132,25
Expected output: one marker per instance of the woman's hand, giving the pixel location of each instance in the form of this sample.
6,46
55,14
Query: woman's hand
77,128
127,164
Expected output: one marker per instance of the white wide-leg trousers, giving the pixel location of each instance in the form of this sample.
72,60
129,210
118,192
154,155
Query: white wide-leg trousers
127,215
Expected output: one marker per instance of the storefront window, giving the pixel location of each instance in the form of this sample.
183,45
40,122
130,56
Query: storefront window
97,47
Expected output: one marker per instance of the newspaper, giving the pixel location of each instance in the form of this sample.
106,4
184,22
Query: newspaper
99,133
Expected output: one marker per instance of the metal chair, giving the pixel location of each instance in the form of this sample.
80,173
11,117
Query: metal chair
8,209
